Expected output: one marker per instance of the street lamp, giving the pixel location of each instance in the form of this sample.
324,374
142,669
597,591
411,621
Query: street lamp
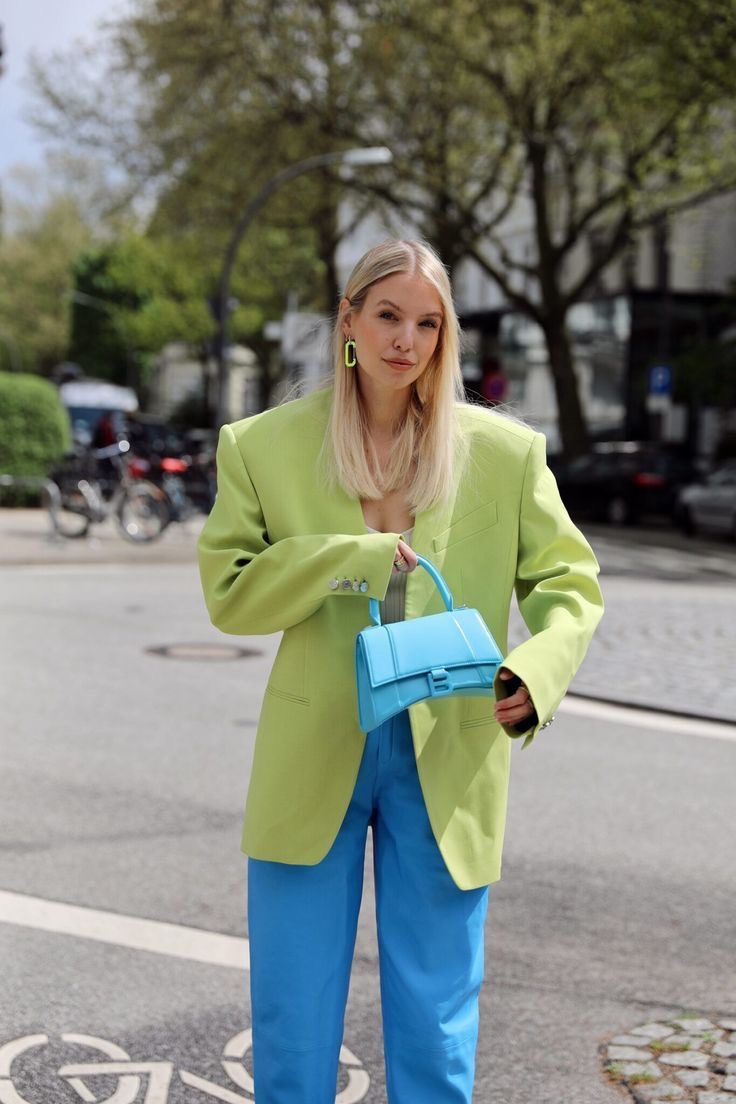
368,155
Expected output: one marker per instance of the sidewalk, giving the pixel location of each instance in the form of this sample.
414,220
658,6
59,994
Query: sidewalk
667,641
26,538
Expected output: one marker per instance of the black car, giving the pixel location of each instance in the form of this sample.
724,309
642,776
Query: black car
623,481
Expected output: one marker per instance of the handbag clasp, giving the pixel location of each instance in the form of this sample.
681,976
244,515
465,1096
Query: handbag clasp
439,681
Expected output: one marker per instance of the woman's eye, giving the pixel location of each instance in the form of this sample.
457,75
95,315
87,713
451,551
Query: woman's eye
387,314
430,322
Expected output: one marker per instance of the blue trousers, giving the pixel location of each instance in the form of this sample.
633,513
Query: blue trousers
302,923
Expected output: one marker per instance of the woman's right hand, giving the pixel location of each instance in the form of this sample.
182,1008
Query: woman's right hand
405,558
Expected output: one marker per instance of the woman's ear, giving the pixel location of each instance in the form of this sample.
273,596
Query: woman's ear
345,311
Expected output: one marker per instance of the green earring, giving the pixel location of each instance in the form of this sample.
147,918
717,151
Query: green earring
349,353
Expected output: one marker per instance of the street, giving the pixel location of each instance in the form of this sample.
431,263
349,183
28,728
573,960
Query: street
127,730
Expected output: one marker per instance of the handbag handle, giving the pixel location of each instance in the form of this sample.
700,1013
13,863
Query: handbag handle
374,606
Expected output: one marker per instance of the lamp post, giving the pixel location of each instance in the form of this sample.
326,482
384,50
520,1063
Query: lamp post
369,155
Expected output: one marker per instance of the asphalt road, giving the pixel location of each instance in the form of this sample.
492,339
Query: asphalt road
121,791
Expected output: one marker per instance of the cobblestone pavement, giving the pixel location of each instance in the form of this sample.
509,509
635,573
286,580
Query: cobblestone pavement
688,1058
662,553
662,645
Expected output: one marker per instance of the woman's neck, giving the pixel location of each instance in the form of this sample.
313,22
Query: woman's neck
384,410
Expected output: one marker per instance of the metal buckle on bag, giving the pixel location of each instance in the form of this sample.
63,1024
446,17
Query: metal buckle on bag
439,681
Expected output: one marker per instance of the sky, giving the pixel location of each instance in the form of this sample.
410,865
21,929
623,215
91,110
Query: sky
44,26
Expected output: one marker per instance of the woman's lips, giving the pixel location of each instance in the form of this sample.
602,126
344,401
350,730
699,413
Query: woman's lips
400,363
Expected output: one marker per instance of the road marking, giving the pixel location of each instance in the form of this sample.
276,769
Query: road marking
160,1073
156,936
644,718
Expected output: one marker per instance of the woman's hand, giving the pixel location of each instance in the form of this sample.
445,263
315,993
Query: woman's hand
405,558
518,706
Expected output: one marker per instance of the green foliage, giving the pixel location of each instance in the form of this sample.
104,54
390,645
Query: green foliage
97,343
132,296
34,429
37,250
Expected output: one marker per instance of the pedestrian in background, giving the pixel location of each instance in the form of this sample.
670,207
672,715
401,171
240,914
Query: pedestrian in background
323,503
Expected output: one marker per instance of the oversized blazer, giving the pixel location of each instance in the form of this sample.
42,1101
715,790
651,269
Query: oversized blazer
281,552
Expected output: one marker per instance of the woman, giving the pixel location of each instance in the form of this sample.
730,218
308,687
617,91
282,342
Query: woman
324,503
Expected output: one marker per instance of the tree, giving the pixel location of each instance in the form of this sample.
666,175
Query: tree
42,234
573,124
201,105
135,294
617,116
131,297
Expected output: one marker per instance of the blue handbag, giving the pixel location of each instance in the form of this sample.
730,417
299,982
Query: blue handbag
426,657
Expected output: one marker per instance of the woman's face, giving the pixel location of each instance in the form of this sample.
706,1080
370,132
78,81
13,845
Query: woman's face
396,331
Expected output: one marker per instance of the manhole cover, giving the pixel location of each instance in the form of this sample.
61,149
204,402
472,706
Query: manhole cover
208,652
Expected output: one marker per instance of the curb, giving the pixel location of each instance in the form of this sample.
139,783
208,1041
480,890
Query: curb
653,709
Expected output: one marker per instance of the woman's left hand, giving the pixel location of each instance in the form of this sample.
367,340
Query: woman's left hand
517,707
405,558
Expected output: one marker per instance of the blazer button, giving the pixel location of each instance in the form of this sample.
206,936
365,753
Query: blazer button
363,587
333,584
356,585
347,585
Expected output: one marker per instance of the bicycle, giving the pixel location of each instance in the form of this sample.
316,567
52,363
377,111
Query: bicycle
138,506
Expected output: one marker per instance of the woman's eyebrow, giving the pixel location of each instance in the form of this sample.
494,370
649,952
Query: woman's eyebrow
427,314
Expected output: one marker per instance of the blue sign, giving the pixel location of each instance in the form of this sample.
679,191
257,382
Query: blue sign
660,380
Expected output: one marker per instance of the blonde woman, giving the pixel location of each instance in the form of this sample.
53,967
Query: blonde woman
324,503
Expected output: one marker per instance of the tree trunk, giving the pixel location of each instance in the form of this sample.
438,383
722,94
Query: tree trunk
571,423
328,236
573,430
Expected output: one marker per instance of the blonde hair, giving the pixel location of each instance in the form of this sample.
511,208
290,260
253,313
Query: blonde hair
427,439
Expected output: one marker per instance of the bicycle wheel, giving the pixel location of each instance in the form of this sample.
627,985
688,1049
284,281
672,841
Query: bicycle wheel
143,513
69,510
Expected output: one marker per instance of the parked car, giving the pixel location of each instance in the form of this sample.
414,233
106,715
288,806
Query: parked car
711,504
623,481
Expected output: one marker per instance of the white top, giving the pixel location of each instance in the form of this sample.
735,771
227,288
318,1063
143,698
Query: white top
392,606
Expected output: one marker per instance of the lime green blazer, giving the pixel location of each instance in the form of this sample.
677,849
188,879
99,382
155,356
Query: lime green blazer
280,553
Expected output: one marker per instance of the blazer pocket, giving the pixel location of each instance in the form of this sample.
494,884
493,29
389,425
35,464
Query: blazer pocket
289,676
477,521
286,696
478,711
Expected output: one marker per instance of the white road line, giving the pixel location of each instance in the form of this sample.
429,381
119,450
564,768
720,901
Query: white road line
156,936
643,718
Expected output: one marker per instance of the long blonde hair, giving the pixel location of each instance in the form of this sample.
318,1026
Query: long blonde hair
427,439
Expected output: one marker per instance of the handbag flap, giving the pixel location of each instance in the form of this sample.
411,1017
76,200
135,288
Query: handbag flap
405,648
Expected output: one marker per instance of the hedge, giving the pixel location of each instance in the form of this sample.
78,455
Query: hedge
34,431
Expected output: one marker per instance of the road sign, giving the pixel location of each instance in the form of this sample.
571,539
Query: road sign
660,380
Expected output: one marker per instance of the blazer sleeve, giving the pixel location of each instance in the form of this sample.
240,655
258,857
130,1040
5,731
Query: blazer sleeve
557,591
254,586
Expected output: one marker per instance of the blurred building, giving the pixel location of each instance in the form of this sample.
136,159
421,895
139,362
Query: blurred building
647,308
180,379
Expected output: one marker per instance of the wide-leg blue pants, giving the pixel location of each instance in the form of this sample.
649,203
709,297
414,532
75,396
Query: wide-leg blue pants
302,924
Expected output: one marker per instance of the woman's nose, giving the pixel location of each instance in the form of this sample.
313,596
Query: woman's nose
404,338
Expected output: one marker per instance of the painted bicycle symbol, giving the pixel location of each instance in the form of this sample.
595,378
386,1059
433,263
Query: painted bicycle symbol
155,1078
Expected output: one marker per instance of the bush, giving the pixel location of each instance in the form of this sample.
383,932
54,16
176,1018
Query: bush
34,431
